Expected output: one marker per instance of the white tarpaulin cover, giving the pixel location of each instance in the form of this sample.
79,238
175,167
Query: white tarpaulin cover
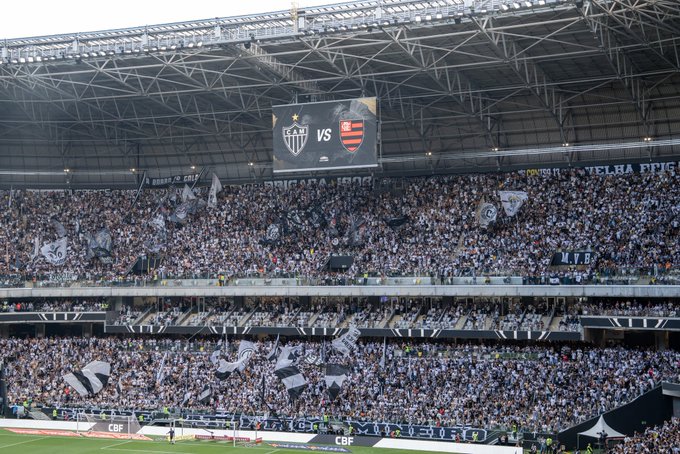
601,425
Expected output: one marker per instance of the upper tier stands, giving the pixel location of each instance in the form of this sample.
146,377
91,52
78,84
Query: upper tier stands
629,221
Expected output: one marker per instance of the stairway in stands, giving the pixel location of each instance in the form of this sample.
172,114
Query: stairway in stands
37,414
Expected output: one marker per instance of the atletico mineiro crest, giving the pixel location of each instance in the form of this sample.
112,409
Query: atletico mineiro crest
295,136
351,134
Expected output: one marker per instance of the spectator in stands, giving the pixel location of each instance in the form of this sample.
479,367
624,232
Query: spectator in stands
450,384
622,219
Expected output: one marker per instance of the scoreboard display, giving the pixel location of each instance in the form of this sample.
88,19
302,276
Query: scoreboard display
325,135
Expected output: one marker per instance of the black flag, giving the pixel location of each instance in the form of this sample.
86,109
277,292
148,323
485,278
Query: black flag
335,377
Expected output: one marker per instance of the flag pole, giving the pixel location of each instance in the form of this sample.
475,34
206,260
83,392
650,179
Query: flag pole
200,175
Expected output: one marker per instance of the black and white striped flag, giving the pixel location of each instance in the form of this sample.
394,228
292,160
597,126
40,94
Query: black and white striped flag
293,380
90,379
336,375
205,394
289,373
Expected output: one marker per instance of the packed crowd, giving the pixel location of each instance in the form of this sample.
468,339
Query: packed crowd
54,305
429,226
540,388
657,440
630,308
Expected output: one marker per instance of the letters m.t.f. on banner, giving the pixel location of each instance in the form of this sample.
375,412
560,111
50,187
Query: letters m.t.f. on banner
325,135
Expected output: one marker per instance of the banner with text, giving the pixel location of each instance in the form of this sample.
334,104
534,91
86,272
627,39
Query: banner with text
173,179
614,169
572,258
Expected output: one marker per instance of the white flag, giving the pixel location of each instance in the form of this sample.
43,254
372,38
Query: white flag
158,222
512,201
55,252
486,214
187,193
346,343
215,188
246,350
36,248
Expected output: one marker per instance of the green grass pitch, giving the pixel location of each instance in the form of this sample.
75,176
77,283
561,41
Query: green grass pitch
35,444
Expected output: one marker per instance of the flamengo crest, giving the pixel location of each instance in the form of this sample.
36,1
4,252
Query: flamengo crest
351,134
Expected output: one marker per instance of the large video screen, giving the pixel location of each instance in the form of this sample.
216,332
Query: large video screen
325,135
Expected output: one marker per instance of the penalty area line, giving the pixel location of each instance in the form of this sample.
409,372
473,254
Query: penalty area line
116,444
149,451
20,443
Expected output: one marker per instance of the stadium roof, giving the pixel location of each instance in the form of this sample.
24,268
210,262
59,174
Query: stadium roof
462,85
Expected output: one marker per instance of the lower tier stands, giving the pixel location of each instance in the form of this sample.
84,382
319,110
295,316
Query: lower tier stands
542,388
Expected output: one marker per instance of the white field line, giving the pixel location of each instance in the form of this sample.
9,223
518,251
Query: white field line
20,443
147,451
116,444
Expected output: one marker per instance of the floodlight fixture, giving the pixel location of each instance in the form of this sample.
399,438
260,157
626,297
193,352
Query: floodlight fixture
516,5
